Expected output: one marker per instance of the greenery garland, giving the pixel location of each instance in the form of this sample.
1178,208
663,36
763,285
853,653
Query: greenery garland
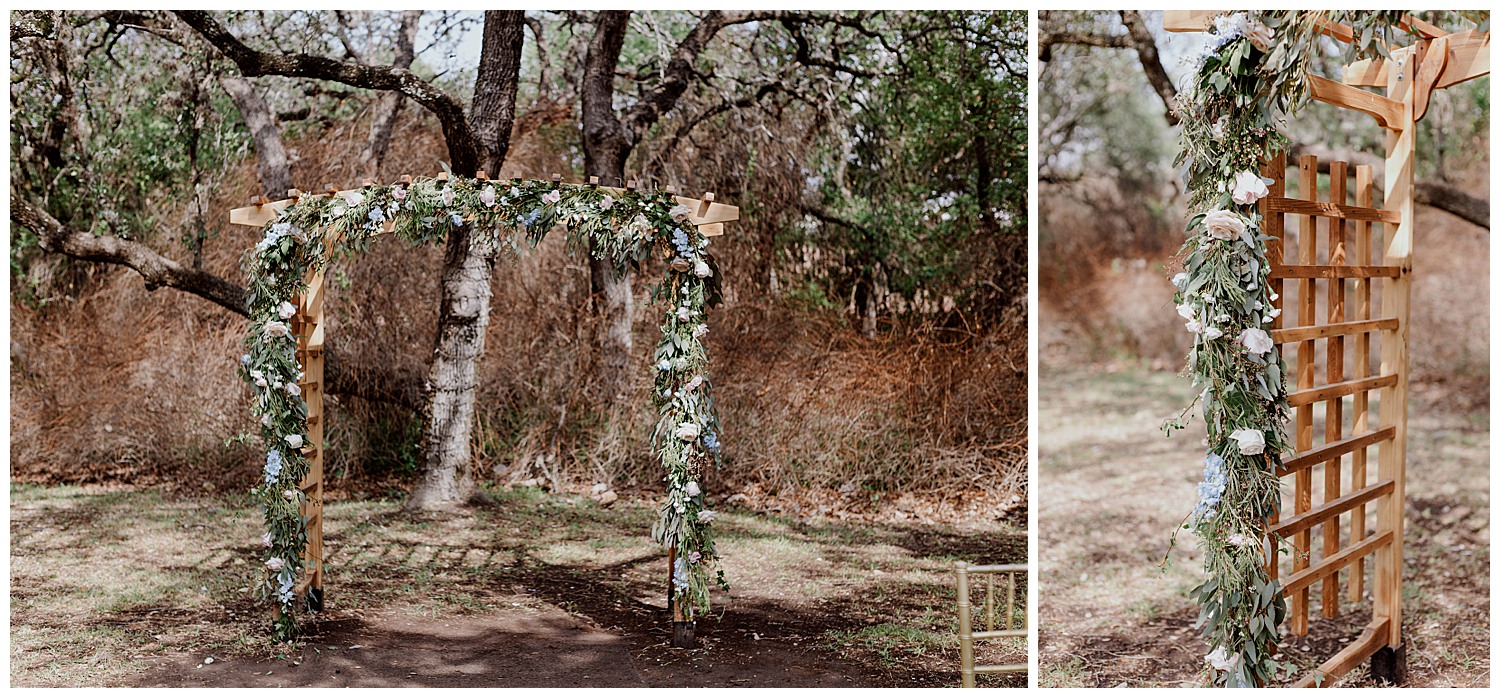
625,227
1251,76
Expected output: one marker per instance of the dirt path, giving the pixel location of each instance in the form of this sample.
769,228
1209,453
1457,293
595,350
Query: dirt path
1113,489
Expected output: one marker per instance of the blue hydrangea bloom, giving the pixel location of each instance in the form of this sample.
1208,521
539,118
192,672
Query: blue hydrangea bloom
680,574
377,215
1211,490
533,217
665,365
711,442
273,466
458,220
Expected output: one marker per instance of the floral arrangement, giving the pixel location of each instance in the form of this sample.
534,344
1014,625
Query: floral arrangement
1249,78
626,227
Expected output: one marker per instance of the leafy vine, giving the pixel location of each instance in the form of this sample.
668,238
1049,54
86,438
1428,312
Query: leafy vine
627,228
1250,78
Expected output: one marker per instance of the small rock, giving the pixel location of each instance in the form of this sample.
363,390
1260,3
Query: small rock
208,660
600,488
607,498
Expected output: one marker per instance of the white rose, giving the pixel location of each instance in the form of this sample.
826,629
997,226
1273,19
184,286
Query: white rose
266,539
294,440
701,270
693,384
683,314
1257,341
687,431
680,213
706,516
286,310
1224,225
291,495
1211,333
1186,311
1252,441
1260,35
1221,660
277,328
355,198
266,419
260,378
1240,540
275,564
1194,326
1180,281
1248,188
699,331
293,389
692,489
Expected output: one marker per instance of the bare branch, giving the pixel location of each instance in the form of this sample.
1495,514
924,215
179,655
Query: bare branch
463,146
158,271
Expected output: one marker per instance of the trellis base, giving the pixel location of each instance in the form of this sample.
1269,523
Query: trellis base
1388,665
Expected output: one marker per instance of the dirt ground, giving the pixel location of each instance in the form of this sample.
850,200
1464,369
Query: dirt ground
1112,489
141,588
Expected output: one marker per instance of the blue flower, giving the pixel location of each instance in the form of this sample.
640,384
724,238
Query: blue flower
533,217
1211,490
273,466
711,442
665,365
680,574
458,220
377,215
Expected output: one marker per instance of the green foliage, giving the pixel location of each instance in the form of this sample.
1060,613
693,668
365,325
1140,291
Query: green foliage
934,172
627,230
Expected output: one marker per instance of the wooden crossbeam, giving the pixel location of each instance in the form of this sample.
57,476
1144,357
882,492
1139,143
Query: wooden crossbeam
1468,58
1329,209
1387,112
708,215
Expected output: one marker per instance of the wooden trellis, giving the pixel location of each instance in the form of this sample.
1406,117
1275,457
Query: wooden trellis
309,325
1340,274
992,605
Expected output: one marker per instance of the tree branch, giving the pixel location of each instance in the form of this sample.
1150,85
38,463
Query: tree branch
463,146
1145,48
157,270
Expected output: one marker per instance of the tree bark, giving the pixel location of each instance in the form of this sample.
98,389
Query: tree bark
606,146
388,105
447,477
274,166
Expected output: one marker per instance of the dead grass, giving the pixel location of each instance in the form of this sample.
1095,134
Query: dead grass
106,584
1114,489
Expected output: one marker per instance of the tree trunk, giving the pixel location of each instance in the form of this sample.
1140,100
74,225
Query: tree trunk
275,167
606,146
447,478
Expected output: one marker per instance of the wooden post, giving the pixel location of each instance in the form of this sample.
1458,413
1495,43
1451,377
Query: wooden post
965,628
309,326
684,628
1400,148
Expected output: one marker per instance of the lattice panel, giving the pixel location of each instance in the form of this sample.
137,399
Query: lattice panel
1327,273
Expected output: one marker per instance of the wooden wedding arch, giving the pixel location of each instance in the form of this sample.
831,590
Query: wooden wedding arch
309,326
1347,267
